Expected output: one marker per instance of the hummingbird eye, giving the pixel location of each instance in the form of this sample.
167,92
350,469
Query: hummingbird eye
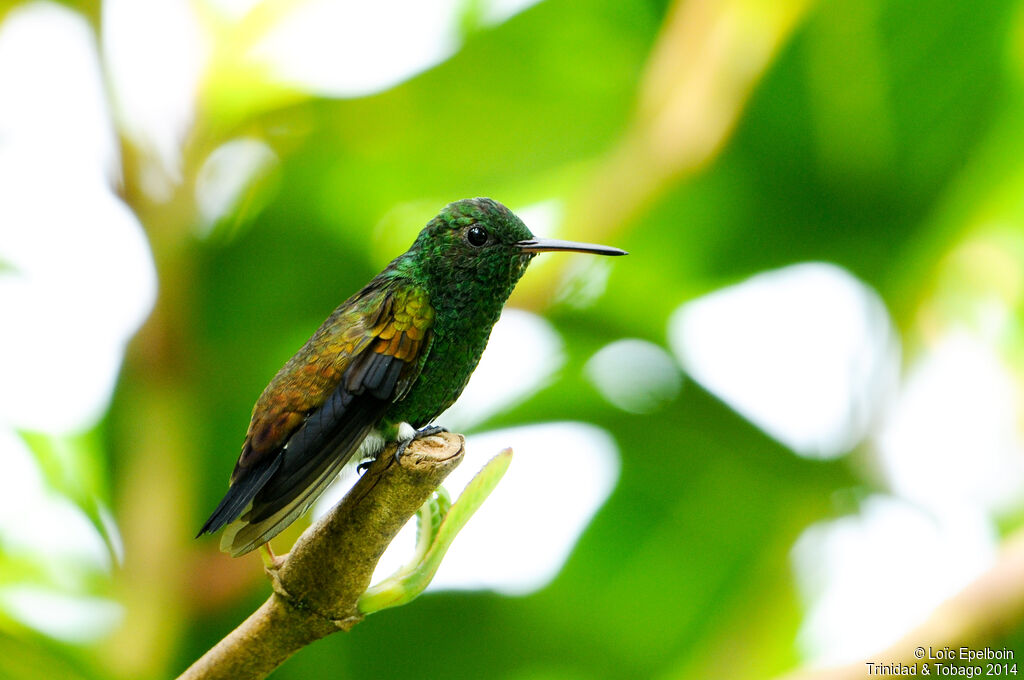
477,236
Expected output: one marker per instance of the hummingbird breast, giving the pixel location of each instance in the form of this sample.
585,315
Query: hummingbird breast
464,314
456,344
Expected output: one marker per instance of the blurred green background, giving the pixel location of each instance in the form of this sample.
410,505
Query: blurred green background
806,376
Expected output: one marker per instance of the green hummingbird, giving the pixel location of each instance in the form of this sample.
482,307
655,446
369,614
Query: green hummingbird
382,366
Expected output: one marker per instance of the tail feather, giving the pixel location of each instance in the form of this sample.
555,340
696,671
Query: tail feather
240,495
247,533
326,441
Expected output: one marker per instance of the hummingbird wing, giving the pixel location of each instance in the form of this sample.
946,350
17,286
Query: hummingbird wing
321,406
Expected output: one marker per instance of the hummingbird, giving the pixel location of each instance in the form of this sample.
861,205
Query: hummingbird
381,368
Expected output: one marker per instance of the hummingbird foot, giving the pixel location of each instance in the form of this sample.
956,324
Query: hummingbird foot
271,562
417,434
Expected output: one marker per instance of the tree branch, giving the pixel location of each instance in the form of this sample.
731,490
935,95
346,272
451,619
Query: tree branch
318,585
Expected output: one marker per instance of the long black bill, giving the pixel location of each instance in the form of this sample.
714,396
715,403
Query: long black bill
545,245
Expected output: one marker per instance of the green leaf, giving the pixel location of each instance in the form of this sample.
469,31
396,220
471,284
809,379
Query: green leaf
439,524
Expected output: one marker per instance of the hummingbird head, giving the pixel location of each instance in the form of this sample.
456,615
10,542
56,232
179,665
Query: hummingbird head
478,240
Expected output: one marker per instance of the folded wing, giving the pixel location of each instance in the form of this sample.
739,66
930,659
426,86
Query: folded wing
318,410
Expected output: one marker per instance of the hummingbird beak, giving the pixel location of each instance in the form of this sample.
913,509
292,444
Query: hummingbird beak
545,245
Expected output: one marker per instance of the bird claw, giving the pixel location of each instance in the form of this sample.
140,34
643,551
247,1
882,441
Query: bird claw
420,434
428,431
271,562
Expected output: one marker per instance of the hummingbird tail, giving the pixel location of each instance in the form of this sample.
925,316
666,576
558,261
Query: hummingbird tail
302,470
247,534
240,495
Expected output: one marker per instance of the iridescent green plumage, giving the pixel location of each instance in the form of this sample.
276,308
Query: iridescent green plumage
399,351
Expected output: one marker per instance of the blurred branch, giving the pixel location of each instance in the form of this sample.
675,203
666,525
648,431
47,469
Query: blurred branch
706,62
318,585
990,606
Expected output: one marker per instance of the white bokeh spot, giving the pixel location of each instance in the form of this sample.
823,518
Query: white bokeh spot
71,618
155,55
352,49
952,438
807,353
635,375
518,541
82,282
35,520
65,76
226,174
891,557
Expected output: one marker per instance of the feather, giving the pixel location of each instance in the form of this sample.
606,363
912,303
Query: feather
240,495
289,459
